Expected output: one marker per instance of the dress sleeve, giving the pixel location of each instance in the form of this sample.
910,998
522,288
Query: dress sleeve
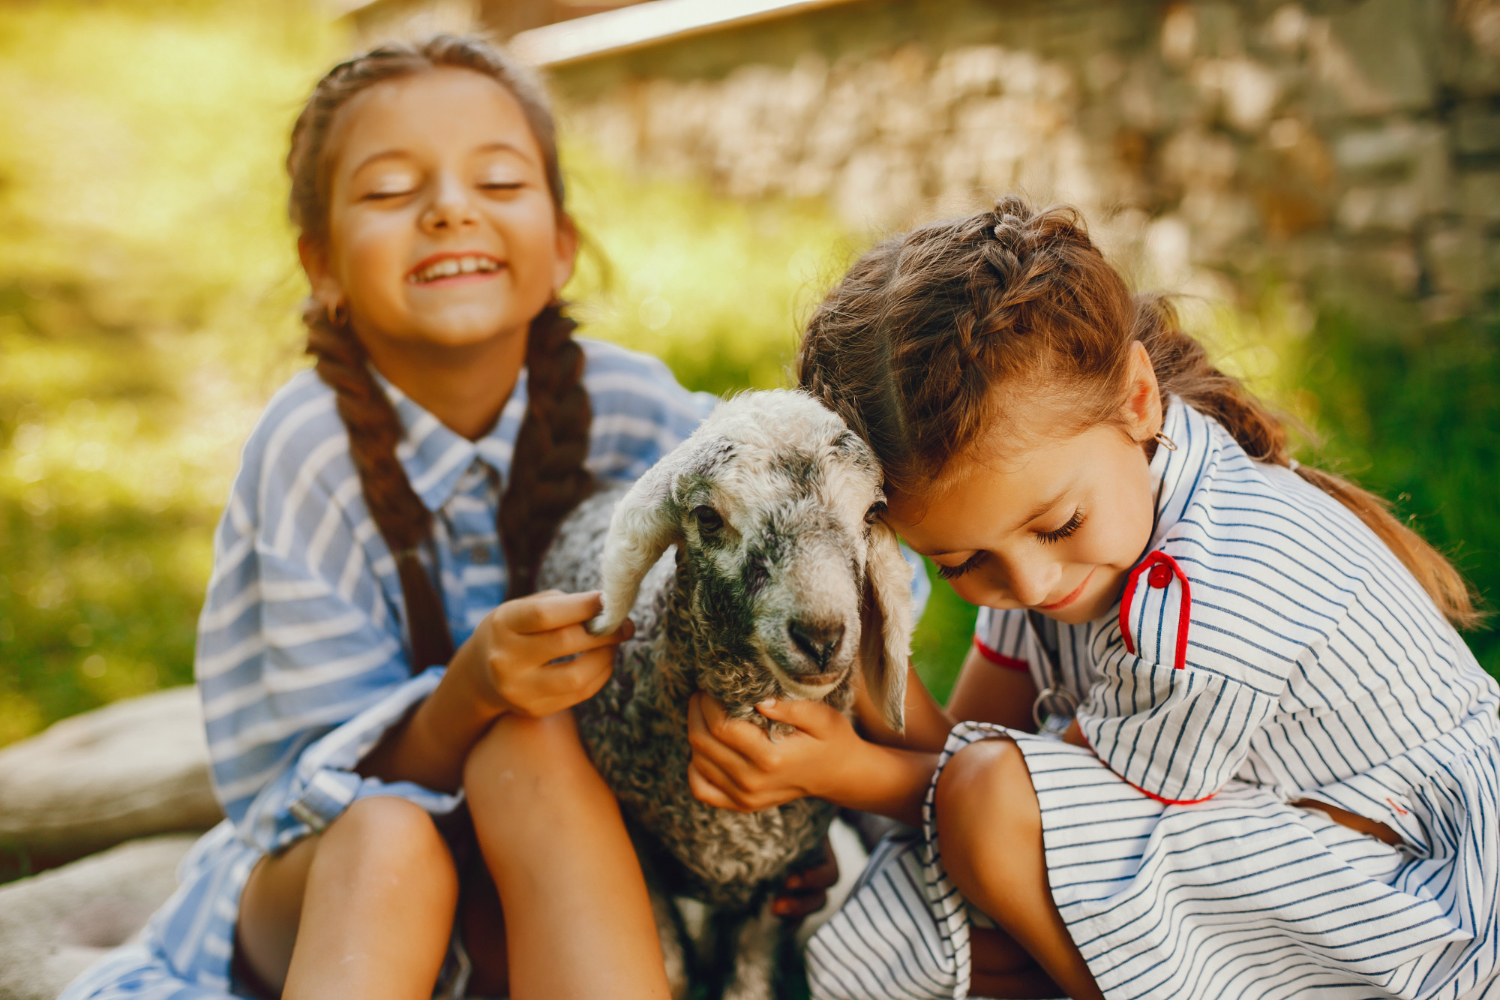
300,661
1158,717
640,411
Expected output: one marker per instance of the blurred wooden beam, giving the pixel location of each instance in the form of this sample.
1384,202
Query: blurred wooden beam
645,24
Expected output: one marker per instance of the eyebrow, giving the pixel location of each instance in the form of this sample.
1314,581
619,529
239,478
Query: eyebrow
1043,507
1031,515
398,154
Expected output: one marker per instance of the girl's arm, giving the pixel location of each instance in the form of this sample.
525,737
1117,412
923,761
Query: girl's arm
506,666
988,692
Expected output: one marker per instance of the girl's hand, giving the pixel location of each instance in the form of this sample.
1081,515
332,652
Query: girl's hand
509,660
737,766
805,892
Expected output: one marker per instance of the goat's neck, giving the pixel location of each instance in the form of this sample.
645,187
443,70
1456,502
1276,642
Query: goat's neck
696,659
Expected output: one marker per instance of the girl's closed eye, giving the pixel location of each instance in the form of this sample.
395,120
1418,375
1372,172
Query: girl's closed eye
1058,534
954,572
390,186
501,182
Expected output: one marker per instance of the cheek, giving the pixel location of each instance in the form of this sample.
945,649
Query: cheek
1118,530
374,254
529,229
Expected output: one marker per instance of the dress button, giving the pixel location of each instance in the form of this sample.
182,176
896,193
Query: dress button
1160,576
479,553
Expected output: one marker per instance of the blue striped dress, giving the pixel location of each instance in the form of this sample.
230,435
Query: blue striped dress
301,661
1267,649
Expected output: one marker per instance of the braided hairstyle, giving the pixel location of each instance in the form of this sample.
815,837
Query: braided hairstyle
547,477
935,334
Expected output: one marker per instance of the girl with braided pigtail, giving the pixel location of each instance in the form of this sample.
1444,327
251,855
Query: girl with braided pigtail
408,806
1217,735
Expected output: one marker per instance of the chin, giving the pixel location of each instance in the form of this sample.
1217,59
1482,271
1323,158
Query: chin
464,330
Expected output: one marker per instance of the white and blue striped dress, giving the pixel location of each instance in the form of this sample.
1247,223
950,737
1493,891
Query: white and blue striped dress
1268,648
301,661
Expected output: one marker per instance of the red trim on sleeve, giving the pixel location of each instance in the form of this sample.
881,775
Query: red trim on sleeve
1000,659
1184,617
1149,795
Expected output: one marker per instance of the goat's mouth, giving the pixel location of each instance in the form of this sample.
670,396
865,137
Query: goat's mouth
808,687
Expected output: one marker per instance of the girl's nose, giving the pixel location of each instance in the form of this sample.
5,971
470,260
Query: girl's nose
1031,582
451,206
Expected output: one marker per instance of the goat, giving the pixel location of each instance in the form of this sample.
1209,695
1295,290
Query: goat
784,579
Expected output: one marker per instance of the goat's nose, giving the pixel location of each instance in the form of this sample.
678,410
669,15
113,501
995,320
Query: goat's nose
819,640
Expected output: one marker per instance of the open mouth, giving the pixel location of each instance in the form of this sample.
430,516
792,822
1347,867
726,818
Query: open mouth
450,266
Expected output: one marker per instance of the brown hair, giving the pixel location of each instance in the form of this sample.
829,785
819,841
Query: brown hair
547,478
913,344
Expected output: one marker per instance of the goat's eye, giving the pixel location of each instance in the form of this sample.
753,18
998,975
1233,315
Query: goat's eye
876,509
708,519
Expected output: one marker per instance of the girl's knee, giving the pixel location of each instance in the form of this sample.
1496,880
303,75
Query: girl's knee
390,835
985,792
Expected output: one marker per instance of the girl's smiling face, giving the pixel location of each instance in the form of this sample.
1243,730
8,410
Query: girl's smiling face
1040,516
441,228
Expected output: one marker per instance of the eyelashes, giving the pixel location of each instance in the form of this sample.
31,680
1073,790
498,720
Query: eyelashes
1045,537
1057,535
952,572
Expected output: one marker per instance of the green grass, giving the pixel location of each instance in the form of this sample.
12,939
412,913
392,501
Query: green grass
1415,417
148,293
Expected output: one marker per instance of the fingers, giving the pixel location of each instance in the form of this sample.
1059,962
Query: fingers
812,717
797,905
707,727
571,639
580,678
549,610
555,687
745,738
823,875
707,792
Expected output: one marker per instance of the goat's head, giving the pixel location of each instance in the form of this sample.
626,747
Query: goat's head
775,506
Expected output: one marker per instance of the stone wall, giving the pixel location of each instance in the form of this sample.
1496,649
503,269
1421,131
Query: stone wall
1349,147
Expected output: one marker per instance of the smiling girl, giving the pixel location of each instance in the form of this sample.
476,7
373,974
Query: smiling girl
392,506
1280,763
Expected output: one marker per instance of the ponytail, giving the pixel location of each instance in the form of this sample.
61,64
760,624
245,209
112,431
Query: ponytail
1183,369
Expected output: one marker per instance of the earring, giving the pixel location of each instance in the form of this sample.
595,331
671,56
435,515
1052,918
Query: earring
338,314
1165,441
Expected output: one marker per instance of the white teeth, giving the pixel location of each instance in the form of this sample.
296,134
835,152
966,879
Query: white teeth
450,266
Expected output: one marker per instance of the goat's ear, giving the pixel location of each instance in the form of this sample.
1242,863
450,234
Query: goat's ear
885,635
641,528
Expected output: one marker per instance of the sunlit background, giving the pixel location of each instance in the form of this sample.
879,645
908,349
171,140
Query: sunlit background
148,281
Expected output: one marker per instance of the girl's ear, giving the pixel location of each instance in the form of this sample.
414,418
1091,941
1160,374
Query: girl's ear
1141,412
567,252
326,288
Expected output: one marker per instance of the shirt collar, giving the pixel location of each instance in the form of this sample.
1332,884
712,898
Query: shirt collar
435,457
1178,474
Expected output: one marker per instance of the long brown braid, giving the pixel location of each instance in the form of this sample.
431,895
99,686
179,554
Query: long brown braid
547,474
928,337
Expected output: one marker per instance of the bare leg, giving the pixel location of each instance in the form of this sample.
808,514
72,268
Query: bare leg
990,833
364,909
578,919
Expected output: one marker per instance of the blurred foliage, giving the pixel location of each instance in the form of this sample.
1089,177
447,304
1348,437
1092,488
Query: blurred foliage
148,292
1415,416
